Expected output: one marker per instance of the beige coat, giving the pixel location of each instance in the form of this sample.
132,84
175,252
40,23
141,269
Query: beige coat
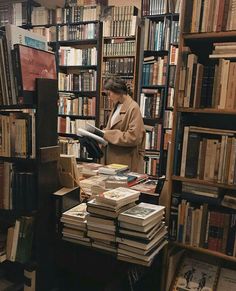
126,137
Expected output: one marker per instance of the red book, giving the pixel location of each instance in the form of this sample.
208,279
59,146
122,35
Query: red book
31,64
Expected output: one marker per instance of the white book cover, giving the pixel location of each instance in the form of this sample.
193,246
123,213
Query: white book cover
19,35
79,212
118,196
142,212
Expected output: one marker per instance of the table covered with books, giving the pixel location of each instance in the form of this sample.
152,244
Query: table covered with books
110,216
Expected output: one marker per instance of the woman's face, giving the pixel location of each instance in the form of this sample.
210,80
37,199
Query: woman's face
115,97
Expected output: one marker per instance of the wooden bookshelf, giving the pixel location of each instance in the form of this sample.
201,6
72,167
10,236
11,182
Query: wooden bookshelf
205,251
200,45
203,182
206,111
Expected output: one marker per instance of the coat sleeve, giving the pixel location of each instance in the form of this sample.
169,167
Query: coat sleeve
132,136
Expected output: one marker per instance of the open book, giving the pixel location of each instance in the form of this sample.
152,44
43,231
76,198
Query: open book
84,132
93,129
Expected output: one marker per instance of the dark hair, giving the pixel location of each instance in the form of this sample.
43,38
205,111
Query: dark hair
116,85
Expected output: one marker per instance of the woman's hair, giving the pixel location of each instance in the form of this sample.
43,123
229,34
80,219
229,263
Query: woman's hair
116,85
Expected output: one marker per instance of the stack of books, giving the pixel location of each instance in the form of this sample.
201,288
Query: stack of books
103,211
87,184
141,233
74,225
113,169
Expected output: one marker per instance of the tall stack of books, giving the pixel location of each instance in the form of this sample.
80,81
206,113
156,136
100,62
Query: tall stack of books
103,211
74,225
141,233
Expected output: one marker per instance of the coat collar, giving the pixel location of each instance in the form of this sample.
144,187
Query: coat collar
124,108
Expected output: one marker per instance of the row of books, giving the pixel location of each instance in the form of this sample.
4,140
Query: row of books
168,119
124,66
213,157
73,14
50,33
120,13
69,125
201,227
153,137
174,36
151,164
75,32
17,188
157,35
154,71
18,240
69,56
208,16
119,48
151,102
211,85
160,7
70,146
83,106
17,131
13,13
139,236
120,28
84,81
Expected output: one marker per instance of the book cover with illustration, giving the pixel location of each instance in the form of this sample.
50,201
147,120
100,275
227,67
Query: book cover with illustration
196,275
142,213
118,196
79,212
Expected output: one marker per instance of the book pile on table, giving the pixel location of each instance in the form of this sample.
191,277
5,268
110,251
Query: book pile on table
141,233
74,225
103,211
86,185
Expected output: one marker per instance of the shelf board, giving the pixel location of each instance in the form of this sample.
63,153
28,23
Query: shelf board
17,159
74,42
78,22
203,182
155,53
120,75
77,116
205,251
92,67
207,110
210,36
119,37
82,93
175,16
17,106
119,56
153,86
73,135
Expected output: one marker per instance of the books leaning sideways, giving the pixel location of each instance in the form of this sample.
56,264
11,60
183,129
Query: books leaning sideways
74,225
103,210
141,233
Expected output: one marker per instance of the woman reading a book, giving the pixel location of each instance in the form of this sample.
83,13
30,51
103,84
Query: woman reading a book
125,131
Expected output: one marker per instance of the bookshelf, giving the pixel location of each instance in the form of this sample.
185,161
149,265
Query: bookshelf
120,52
202,158
36,177
160,51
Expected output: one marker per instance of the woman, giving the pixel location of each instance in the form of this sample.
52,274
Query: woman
125,131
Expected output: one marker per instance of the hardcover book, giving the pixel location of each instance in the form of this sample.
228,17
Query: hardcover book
196,275
142,214
31,64
118,197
